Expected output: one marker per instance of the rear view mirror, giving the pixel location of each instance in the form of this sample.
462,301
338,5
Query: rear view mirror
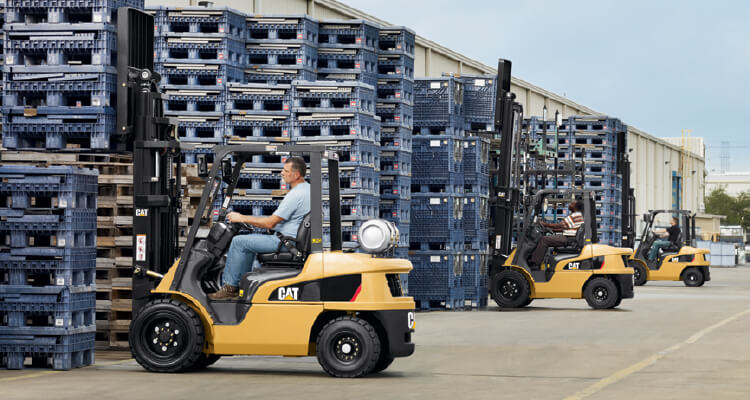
202,166
226,170
647,218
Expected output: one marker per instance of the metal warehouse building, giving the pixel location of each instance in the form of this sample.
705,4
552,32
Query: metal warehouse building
661,171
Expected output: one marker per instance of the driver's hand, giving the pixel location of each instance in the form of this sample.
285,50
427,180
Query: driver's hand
234,217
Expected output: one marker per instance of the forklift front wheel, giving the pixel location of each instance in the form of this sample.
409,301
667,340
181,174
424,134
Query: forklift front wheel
348,347
639,273
510,289
166,336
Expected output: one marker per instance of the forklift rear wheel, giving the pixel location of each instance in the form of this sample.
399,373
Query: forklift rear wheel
348,347
640,274
693,277
166,336
601,293
510,289
206,361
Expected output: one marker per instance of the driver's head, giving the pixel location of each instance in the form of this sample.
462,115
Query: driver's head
674,221
576,205
294,170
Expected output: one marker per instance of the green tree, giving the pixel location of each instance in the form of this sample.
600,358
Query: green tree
736,208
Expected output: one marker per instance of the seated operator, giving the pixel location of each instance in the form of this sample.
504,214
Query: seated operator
671,233
286,219
569,226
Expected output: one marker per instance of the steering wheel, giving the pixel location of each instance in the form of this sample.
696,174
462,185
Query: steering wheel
238,226
546,230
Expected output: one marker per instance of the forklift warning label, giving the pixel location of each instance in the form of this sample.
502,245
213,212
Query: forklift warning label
140,248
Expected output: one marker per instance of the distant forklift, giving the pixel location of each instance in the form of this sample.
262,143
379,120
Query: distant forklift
679,261
583,269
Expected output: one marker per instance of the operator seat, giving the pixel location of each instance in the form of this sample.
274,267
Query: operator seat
572,248
674,247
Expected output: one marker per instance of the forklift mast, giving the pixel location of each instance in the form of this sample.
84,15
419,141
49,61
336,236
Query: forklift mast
628,196
156,153
504,193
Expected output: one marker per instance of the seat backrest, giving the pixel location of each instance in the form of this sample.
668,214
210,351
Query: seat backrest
580,236
303,235
678,242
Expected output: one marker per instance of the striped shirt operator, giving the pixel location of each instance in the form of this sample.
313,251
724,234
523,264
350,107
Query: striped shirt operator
572,223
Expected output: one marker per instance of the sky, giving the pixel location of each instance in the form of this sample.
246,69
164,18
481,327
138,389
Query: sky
660,66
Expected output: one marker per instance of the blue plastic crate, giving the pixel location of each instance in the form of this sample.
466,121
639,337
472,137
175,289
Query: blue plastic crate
191,156
437,216
279,75
477,239
436,100
454,300
259,98
198,48
61,352
395,139
77,269
606,168
349,232
206,21
357,180
40,236
475,270
198,76
336,126
46,307
58,187
355,207
476,213
437,157
208,100
398,66
396,114
595,124
609,210
47,45
359,34
348,65
397,211
61,90
59,128
477,184
266,55
426,185
435,275
395,90
352,153
259,181
48,221
200,127
452,126
248,127
479,97
396,40
395,187
65,11
270,28
476,155
395,163
324,96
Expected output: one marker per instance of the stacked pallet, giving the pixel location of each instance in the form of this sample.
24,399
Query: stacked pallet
395,107
281,48
47,266
594,145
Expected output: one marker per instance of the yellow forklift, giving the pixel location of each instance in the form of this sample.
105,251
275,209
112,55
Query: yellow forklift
680,261
347,309
583,269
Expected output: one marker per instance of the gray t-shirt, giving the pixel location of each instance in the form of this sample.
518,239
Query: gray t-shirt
293,208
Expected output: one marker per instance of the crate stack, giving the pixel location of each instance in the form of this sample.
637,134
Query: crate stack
479,118
47,266
591,144
395,107
437,195
60,80
2,62
347,51
281,48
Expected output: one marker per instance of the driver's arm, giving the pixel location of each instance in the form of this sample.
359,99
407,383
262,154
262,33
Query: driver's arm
558,227
265,222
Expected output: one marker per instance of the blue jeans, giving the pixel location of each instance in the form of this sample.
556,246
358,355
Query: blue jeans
658,244
242,253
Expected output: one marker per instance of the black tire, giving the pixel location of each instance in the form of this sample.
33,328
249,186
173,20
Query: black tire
384,362
348,347
510,289
205,361
601,293
641,275
166,336
527,302
693,277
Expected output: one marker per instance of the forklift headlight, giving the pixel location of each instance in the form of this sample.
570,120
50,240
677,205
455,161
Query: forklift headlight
378,236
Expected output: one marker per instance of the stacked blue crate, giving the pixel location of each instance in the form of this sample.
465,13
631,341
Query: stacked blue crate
2,61
347,51
47,266
479,101
198,52
395,68
437,203
341,116
284,46
59,74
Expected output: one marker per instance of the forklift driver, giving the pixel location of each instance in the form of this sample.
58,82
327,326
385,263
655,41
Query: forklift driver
286,219
672,233
569,226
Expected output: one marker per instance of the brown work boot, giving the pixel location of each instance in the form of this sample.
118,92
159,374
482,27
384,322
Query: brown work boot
227,292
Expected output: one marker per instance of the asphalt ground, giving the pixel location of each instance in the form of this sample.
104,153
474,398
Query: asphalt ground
669,342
